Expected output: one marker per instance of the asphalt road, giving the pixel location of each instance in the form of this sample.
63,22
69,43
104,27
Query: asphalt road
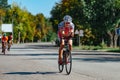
38,61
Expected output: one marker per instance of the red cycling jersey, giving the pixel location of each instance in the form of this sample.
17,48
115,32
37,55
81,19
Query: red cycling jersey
10,37
66,30
66,27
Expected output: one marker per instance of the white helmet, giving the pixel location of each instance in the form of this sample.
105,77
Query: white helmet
67,18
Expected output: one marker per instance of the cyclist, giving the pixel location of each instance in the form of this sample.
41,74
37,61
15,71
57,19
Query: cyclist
9,41
65,32
4,40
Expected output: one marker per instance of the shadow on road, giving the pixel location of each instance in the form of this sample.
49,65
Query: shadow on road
35,54
97,54
91,57
31,73
79,57
43,58
41,46
87,56
35,46
99,59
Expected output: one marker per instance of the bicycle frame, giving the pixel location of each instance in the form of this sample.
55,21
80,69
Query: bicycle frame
67,59
65,51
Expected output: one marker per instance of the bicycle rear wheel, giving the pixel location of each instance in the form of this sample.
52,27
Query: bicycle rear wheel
9,45
4,50
68,64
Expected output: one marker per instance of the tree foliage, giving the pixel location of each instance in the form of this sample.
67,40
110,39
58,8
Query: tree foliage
3,8
98,16
26,27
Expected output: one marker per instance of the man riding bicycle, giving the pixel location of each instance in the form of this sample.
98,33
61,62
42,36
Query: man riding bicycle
9,41
4,40
65,32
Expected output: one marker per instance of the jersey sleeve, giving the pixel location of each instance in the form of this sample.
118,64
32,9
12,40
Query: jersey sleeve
6,38
60,25
72,27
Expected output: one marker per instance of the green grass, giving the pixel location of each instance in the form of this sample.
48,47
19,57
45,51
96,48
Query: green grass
107,49
111,49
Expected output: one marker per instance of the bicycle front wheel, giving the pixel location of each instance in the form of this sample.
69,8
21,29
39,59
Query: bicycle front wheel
61,67
68,62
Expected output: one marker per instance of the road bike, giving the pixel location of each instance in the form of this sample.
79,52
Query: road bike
9,44
66,59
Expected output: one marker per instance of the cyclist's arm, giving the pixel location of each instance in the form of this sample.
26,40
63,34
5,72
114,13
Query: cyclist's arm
71,33
72,30
60,29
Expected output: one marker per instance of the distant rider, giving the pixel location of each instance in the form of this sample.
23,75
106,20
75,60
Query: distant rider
4,40
10,37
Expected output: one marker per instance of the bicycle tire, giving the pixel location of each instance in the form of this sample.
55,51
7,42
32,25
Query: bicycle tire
9,46
68,64
4,50
61,66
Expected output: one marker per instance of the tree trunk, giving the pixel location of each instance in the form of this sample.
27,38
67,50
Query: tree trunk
18,37
111,38
115,40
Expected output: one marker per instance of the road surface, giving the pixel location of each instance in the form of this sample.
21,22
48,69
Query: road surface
38,61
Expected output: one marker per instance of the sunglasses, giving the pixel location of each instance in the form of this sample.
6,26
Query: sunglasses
67,22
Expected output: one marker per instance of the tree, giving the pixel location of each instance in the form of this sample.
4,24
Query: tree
3,8
50,35
102,14
40,24
2,13
43,26
4,4
74,8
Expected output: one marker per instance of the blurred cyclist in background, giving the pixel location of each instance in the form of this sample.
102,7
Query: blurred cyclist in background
10,37
4,40
65,32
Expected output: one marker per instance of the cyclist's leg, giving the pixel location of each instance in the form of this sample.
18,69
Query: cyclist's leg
8,43
70,44
61,49
2,46
11,42
68,55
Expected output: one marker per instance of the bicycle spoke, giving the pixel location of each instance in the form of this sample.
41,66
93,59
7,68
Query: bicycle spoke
69,63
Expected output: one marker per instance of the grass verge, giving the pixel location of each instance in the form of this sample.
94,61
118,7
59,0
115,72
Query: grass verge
107,49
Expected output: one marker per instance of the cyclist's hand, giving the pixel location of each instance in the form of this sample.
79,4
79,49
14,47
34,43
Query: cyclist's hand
71,34
63,32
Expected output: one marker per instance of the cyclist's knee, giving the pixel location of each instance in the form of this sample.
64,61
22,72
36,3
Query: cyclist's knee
70,44
61,46
70,47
